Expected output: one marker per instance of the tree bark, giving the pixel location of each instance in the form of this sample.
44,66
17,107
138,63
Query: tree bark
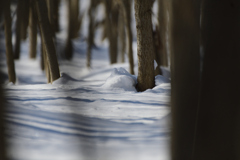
122,35
162,23
74,24
127,15
111,29
46,33
185,75
8,39
20,6
25,18
32,31
218,128
146,78
90,32
56,15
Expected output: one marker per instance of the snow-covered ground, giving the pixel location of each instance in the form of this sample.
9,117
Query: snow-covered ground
87,114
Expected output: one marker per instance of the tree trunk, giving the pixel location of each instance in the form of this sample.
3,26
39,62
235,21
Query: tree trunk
74,23
8,39
185,75
32,31
162,23
122,35
111,15
46,33
127,15
20,6
3,6
25,18
218,128
90,32
146,78
56,15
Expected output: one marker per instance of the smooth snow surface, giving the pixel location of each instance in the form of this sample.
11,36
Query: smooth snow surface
87,114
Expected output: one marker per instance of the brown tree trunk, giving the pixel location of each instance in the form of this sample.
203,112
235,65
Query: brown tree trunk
3,6
74,24
219,128
32,31
111,29
122,35
20,7
56,15
8,39
162,23
127,15
146,78
25,18
185,75
46,32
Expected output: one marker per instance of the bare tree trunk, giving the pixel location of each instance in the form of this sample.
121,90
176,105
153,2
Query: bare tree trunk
111,15
90,32
122,35
74,24
46,33
32,31
146,78
218,128
25,18
20,6
8,38
185,75
56,15
4,5
127,13
162,21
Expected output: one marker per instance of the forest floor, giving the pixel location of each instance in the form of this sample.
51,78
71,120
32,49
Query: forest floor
88,114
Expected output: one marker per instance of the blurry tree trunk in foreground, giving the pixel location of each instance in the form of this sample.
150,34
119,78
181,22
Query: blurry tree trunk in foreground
90,39
3,8
46,33
8,39
145,50
74,23
32,31
111,22
185,75
218,133
162,25
127,16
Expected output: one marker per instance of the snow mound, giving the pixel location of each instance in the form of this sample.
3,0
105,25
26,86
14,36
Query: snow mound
120,79
160,80
64,79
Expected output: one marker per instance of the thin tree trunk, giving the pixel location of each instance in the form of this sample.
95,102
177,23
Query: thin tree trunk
32,31
122,35
8,38
20,6
25,18
56,15
146,78
73,26
110,29
46,33
90,32
219,128
114,40
127,13
162,23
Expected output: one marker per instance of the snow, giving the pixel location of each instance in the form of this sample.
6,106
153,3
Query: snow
88,113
